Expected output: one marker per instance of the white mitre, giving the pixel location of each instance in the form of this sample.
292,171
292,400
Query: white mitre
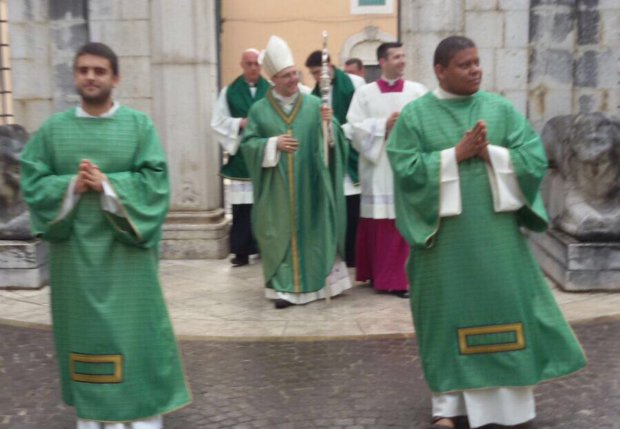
276,57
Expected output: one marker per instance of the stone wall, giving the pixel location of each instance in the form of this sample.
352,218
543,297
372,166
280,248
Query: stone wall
31,54
575,47
549,57
126,27
499,28
168,65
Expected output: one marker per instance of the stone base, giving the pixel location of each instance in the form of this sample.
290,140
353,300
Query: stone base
578,266
23,264
195,235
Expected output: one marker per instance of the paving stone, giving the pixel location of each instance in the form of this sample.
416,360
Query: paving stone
359,383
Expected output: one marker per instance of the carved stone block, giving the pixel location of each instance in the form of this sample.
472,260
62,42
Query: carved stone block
23,264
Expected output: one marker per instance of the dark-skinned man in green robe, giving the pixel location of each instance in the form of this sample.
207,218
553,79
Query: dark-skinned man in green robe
467,171
299,215
96,181
341,90
228,121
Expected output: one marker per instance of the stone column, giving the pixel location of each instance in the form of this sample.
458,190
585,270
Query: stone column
184,82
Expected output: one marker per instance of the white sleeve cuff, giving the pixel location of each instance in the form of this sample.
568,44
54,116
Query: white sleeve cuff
70,200
231,142
109,200
374,143
348,131
272,155
505,188
450,186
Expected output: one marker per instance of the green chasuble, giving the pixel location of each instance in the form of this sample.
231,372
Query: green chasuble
115,345
483,312
342,94
239,98
299,214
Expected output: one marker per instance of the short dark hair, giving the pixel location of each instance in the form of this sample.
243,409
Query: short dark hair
315,59
356,61
448,48
382,50
99,50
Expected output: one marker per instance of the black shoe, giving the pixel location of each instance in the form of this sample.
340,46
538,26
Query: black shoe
279,304
239,261
401,294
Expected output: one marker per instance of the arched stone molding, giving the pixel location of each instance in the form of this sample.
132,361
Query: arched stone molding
363,45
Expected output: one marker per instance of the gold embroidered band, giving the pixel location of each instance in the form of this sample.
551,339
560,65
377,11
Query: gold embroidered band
99,364
491,339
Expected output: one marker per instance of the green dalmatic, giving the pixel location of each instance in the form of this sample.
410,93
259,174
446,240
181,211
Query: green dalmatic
115,345
484,314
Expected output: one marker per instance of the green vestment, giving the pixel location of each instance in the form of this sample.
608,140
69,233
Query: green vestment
342,94
115,345
239,99
299,213
483,312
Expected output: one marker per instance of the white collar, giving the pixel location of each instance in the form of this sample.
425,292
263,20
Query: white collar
442,94
285,100
390,81
81,113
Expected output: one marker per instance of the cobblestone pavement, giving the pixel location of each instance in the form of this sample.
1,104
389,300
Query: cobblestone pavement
365,382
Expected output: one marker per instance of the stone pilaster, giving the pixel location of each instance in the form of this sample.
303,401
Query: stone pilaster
183,73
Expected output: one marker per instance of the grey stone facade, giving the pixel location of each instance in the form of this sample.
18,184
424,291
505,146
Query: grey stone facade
168,67
549,57
574,54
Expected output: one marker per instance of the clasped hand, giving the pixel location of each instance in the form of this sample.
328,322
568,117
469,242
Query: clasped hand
473,144
89,177
286,143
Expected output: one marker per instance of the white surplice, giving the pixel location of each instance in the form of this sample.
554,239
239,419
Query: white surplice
368,113
228,135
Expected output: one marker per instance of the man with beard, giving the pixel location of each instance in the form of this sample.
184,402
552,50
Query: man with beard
96,181
228,121
467,172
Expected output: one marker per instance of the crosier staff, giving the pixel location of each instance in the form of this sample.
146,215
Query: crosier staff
328,136
325,83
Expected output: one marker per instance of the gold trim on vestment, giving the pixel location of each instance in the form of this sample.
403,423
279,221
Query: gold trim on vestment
290,118
115,377
293,210
514,328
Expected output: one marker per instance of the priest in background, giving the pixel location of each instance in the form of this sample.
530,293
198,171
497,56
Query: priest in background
228,122
381,252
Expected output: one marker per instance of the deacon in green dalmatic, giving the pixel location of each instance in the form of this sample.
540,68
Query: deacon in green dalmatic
299,215
467,171
96,181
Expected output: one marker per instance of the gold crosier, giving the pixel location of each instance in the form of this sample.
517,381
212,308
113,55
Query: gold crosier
288,120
